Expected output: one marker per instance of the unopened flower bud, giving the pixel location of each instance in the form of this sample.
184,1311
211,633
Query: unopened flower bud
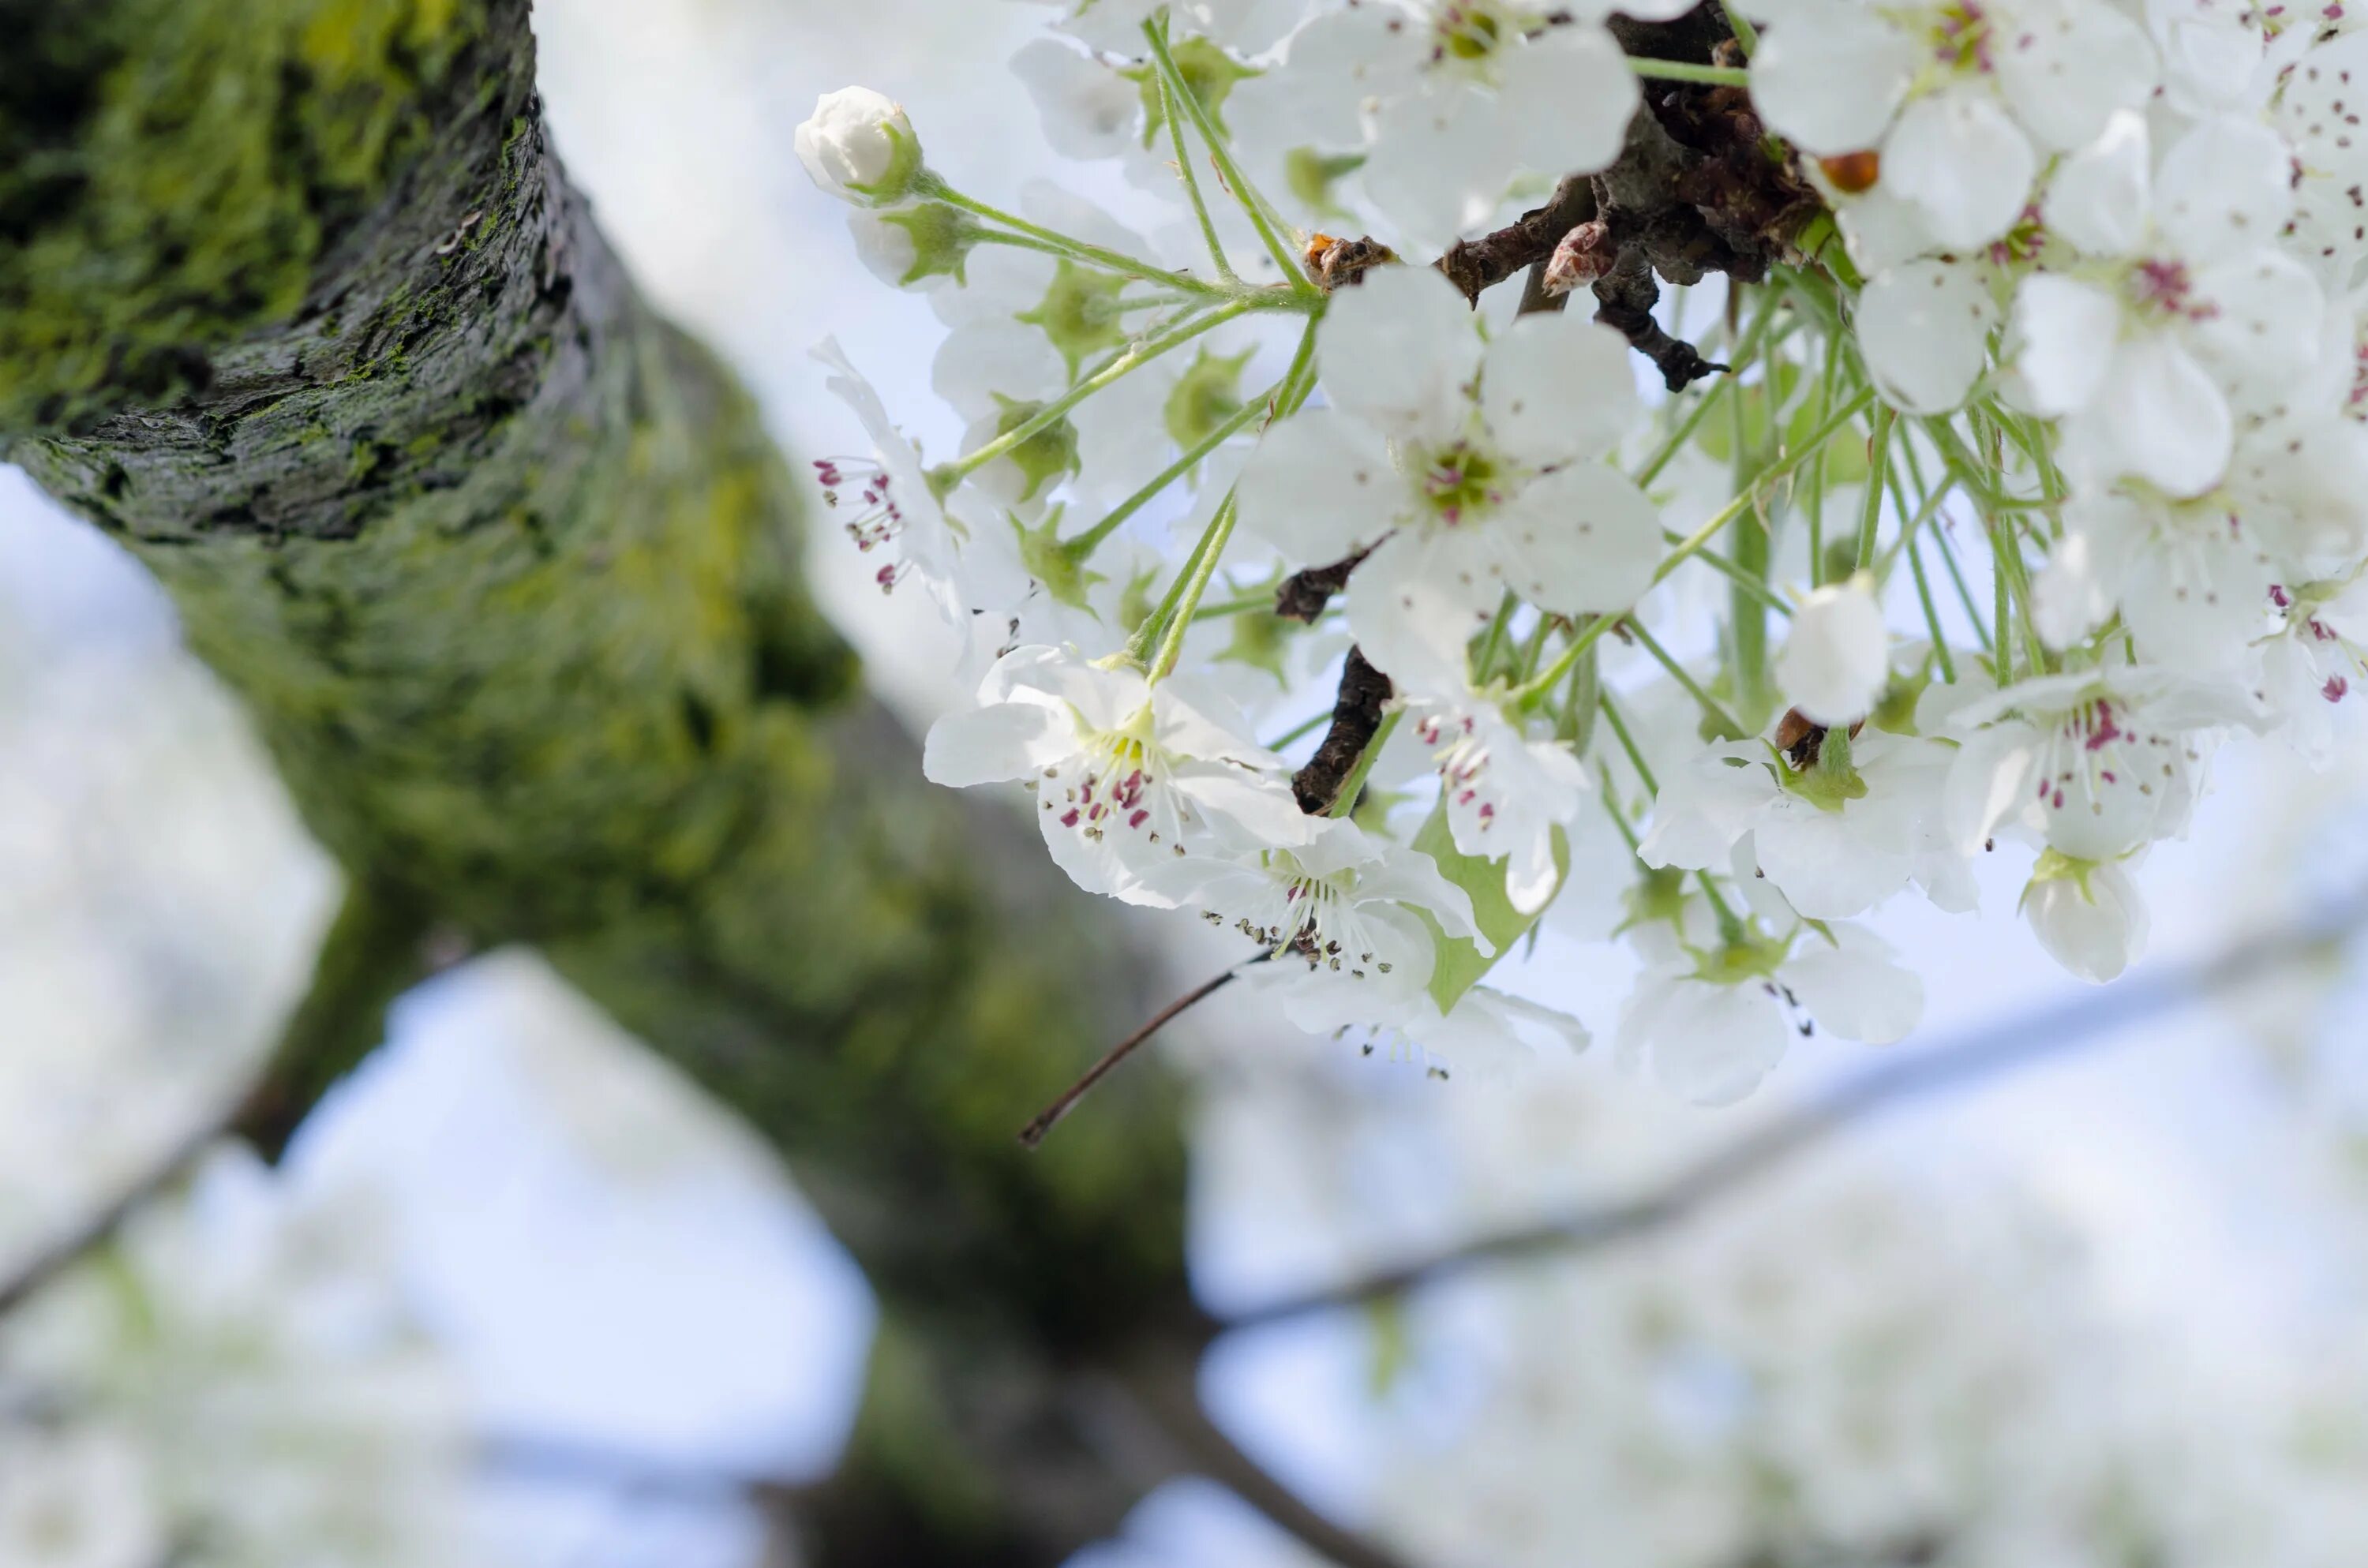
858,146
1584,255
1837,655
914,243
2086,913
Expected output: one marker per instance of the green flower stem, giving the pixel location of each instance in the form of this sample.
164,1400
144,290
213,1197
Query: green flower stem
1729,926
1878,473
1245,605
1957,581
1493,638
1924,513
2002,641
1612,808
1681,70
1690,545
1932,615
1084,544
1193,584
2011,584
1754,588
1192,181
1628,743
1109,260
1746,37
1709,704
1254,206
1676,440
1305,727
1749,544
1174,618
1826,384
1354,785
1123,366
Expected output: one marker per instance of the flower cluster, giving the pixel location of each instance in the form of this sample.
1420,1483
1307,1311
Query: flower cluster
2017,461
233,1381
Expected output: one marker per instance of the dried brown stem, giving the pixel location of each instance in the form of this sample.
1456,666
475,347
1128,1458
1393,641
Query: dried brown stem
1045,1119
1356,715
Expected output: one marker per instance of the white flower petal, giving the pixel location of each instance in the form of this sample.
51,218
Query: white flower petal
2062,341
1828,78
2224,186
1836,655
1924,329
1400,351
1320,486
2169,422
1566,97
1580,540
2100,198
2071,65
1960,157
2094,932
1855,991
1556,388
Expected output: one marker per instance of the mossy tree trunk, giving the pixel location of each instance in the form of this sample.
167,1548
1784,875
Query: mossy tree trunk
296,304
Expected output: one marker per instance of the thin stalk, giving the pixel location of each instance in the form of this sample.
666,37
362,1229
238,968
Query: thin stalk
1204,566
1746,37
1493,640
1932,615
1676,440
1061,244
1767,598
1878,470
1192,183
1628,743
1683,71
1691,544
1816,507
1710,705
2002,642
1243,606
1957,579
1612,808
1300,730
1174,616
1354,785
1924,513
1083,544
1124,365
1253,206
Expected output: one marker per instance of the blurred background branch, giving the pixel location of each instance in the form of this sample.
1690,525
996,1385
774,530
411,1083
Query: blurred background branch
2027,1039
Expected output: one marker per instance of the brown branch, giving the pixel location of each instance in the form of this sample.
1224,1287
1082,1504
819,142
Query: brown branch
1356,715
1477,265
1044,1120
1624,299
1303,594
373,952
2036,1037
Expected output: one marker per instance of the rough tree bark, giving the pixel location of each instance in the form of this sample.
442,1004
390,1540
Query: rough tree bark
296,304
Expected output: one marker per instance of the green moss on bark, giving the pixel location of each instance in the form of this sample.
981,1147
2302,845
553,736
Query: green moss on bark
507,574
172,170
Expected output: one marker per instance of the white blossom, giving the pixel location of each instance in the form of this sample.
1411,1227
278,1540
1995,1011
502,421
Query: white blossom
1126,775
1962,101
1506,794
1715,1024
858,146
1342,914
1468,473
1837,655
2088,914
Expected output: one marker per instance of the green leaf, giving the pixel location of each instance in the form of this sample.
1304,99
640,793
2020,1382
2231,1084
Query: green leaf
1458,964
